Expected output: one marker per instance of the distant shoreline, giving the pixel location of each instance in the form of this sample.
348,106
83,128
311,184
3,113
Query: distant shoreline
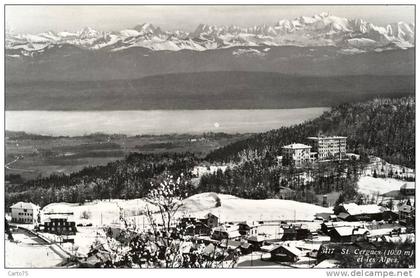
156,122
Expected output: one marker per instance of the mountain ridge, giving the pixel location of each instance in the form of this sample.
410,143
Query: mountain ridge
318,30
205,90
70,63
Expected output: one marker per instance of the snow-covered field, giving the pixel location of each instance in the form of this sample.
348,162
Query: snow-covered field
232,209
371,186
28,252
99,212
237,209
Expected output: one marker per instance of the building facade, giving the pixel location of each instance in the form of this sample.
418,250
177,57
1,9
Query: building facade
329,147
199,171
59,225
297,154
26,213
408,189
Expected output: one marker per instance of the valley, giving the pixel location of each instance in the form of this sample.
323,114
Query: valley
31,156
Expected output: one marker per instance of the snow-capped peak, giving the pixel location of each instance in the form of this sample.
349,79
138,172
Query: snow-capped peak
147,28
88,33
321,29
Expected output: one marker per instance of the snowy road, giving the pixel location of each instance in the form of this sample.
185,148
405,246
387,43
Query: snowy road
30,252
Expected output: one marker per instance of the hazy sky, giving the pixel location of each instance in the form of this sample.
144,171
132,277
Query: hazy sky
34,19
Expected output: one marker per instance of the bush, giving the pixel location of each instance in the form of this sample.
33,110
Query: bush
218,202
86,214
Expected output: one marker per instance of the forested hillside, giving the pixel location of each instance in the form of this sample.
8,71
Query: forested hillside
381,127
206,90
124,179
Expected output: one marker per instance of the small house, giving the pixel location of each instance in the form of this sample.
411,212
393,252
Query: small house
243,246
26,213
349,234
60,225
225,232
211,220
248,228
285,253
354,212
406,214
408,189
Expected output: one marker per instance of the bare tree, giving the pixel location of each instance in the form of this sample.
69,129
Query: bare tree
167,194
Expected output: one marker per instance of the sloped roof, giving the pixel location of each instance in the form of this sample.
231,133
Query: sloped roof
354,209
399,238
207,215
406,208
296,146
326,137
209,249
343,215
257,238
226,228
231,243
23,205
348,231
69,218
291,249
408,185
329,263
57,209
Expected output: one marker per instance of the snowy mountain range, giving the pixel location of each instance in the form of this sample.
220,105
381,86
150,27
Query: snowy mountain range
350,35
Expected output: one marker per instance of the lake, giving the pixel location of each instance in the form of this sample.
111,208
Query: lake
75,123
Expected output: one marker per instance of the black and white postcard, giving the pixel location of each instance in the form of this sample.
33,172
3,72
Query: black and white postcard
209,136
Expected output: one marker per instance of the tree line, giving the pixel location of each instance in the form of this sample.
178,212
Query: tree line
123,179
381,127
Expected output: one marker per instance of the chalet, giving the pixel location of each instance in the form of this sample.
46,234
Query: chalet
327,227
294,232
408,189
406,213
199,226
349,234
324,216
210,220
243,246
329,263
256,241
285,253
60,225
398,238
354,212
225,232
26,213
248,228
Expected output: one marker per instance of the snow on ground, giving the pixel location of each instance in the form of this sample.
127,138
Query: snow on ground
99,212
255,260
232,209
237,209
27,251
371,186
